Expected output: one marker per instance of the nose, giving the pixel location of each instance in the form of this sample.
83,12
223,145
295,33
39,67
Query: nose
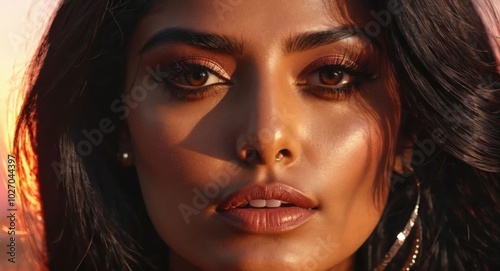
269,132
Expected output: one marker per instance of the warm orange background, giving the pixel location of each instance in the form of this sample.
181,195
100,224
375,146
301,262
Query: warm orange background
22,23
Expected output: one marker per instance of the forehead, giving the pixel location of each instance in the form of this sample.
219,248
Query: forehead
257,21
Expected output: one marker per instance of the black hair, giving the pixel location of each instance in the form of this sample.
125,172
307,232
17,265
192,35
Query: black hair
94,214
92,207
448,80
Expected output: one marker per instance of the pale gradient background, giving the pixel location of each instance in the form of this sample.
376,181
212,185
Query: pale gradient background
22,23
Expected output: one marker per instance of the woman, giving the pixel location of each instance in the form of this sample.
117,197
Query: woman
259,135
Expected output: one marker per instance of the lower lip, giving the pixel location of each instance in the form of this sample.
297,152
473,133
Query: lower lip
266,220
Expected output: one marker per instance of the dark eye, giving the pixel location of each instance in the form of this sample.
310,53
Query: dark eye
196,77
330,76
192,79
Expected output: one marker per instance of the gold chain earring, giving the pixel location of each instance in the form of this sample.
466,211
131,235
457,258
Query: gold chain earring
403,235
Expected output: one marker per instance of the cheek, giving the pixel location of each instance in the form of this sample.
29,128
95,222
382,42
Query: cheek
349,156
168,167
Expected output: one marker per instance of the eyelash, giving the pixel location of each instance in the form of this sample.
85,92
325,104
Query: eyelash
342,64
359,73
170,72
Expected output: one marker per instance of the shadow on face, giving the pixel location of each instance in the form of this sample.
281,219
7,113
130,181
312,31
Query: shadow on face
231,86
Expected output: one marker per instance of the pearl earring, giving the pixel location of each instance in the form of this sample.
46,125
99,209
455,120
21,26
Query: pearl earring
125,159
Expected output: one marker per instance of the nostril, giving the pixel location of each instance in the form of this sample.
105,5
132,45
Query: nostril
285,152
250,155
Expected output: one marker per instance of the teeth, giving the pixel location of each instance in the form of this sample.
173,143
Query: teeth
260,203
273,203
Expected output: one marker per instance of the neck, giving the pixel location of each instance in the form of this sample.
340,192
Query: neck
177,263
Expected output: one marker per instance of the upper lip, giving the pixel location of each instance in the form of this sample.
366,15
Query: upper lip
258,191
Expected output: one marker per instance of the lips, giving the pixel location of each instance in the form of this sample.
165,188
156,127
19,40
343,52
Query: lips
266,209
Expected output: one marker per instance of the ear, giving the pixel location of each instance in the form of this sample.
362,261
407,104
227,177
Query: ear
403,154
125,151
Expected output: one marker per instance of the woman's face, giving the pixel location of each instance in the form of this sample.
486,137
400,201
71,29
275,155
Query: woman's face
237,105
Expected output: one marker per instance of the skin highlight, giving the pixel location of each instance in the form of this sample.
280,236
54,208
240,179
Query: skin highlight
338,149
309,84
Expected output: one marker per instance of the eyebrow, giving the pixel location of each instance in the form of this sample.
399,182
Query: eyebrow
207,41
214,42
311,40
